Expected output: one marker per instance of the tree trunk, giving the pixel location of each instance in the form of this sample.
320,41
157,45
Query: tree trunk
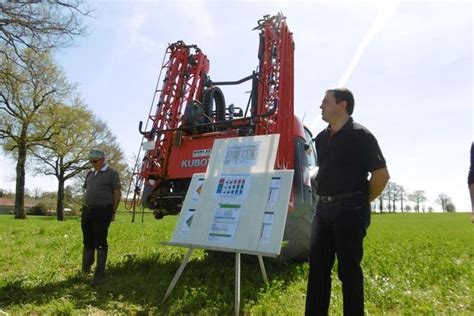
60,202
401,203
20,183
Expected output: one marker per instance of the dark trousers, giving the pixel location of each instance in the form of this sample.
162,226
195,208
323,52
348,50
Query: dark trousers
338,228
95,224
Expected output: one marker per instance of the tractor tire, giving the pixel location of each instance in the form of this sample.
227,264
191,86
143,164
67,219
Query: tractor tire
297,237
214,96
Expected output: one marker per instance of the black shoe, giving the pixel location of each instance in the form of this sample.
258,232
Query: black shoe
87,260
99,274
98,278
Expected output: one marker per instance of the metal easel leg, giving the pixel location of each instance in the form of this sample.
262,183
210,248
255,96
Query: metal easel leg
237,284
178,274
262,268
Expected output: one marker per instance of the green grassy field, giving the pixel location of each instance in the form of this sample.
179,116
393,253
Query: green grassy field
414,264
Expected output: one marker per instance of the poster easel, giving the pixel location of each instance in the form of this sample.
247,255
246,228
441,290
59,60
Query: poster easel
239,205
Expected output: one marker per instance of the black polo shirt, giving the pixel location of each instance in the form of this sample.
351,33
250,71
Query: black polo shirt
346,158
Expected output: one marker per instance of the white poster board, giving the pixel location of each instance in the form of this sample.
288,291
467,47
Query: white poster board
241,203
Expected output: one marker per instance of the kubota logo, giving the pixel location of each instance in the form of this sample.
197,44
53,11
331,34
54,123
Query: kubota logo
193,163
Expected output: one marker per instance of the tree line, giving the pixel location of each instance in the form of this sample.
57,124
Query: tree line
394,198
43,120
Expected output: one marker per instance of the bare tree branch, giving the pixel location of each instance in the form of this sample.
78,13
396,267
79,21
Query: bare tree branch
41,25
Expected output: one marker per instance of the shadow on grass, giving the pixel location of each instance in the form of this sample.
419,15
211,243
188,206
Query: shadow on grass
138,285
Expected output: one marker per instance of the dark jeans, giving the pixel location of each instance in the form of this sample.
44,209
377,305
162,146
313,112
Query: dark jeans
95,224
338,229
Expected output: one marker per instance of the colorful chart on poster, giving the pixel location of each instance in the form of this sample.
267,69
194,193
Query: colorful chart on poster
233,186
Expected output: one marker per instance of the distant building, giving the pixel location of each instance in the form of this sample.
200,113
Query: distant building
7,205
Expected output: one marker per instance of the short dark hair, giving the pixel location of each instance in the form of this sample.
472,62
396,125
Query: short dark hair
344,94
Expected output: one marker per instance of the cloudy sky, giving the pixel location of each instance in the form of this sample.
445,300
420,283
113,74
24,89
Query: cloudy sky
409,64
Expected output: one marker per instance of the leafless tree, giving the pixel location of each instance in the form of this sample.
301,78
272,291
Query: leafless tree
40,25
445,201
396,195
402,197
37,193
381,198
417,197
390,194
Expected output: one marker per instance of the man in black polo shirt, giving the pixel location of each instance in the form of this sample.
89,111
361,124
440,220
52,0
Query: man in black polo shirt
101,200
347,152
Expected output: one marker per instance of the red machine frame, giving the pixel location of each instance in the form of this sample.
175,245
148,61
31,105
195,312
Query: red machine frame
185,84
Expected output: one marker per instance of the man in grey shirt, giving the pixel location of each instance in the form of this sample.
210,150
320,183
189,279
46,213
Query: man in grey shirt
101,199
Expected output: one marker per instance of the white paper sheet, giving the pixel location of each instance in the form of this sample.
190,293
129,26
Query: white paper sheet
224,222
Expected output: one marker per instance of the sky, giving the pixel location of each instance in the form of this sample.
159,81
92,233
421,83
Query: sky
409,65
